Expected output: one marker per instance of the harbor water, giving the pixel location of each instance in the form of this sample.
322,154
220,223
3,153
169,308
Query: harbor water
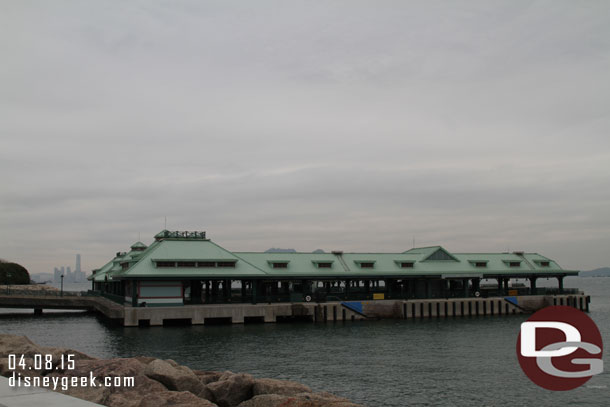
461,361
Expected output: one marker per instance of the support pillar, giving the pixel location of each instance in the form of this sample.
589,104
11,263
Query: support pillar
533,285
560,281
476,284
254,290
226,285
134,293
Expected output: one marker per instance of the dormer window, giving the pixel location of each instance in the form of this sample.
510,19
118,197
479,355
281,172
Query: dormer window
323,264
366,264
186,264
406,264
514,264
279,265
545,264
478,263
206,264
166,264
225,264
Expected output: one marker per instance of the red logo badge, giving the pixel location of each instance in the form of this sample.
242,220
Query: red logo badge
560,348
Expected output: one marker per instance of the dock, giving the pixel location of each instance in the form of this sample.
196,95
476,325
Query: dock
318,312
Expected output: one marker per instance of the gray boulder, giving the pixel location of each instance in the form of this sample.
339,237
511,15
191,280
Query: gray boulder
233,390
177,377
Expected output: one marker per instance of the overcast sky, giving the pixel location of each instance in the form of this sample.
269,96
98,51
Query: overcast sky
353,125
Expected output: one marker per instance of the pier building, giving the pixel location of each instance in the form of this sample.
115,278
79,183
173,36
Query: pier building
187,268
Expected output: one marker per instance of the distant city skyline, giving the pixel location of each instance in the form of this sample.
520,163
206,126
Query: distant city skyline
333,125
76,276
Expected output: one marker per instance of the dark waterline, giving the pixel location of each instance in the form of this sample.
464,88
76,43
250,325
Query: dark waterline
464,361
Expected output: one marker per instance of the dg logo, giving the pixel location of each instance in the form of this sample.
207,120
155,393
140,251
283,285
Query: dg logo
560,348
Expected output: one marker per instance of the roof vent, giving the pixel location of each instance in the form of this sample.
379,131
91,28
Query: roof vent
519,253
337,252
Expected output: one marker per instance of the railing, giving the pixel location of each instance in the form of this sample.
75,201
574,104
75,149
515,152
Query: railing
119,299
42,293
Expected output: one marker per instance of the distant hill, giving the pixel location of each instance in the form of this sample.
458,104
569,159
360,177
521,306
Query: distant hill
600,272
278,250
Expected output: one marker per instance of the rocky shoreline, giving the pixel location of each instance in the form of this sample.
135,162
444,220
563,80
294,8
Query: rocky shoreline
161,383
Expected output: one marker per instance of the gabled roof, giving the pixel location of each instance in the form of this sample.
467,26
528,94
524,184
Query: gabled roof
188,250
192,247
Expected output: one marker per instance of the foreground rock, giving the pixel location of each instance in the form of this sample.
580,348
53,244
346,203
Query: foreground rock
161,383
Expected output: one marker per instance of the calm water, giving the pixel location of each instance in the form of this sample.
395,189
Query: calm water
468,361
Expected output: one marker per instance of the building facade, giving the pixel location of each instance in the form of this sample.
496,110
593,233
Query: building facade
187,268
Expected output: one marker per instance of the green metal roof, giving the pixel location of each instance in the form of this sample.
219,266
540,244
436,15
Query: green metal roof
427,261
138,245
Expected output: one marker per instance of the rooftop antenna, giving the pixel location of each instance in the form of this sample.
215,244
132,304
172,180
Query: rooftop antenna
165,227
139,238
414,242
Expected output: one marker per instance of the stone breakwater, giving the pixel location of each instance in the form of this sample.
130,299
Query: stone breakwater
161,383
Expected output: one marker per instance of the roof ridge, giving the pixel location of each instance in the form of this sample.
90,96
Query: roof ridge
233,253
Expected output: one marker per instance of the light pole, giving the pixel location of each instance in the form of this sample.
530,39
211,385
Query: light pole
62,286
8,282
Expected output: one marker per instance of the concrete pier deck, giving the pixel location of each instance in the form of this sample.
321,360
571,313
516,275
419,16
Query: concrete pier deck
239,313
340,311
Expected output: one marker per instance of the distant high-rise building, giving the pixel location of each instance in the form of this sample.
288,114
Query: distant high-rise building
76,276
57,275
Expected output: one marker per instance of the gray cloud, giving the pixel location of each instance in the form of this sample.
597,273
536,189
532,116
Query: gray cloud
480,126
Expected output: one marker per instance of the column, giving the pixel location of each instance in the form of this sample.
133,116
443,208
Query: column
254,284
533,285
134,293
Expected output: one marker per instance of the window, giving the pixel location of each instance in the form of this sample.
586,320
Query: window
278,265
226,264
407,264
124,266
545,264
203,264
324,265
480,264
367,265
514,264
186,264
166,264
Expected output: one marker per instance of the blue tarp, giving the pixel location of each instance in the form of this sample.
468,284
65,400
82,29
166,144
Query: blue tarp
512,300
355,306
